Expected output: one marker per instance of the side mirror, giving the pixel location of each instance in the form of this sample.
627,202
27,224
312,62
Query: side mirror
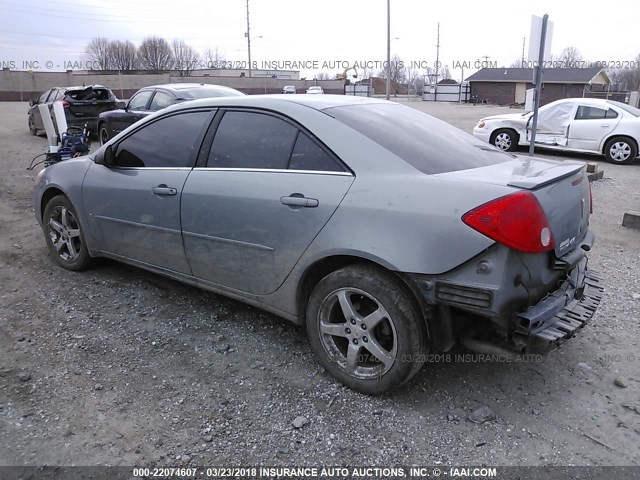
32,102
121,105
106,157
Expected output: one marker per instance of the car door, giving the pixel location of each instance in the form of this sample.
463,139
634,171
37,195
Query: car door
137,108
553,124
134,205
590,127
247,216
35,111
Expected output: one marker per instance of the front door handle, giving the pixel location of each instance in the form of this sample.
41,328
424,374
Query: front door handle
604,125
162,189
299,200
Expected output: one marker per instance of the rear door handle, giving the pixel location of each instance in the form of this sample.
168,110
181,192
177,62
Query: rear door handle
299,200
162,189
604,125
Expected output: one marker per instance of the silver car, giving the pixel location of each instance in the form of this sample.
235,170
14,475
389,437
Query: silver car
389,233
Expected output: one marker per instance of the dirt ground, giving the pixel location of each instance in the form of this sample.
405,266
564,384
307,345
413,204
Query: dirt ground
115,366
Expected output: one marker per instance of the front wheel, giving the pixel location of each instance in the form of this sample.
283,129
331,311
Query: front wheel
366,329
64,236
620,150
505,139
103,134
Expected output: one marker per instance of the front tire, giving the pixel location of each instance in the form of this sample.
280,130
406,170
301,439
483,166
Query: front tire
620,150
505,139
366,329
64,236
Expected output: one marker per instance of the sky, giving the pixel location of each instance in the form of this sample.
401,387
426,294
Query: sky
326,33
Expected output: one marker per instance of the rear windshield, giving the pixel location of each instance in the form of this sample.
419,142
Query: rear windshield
205,92
627,108
89,93
428,144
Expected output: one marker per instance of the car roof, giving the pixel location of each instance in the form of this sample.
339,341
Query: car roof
186,86
600,102
319,102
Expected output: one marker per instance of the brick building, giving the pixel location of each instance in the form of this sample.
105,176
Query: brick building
506,86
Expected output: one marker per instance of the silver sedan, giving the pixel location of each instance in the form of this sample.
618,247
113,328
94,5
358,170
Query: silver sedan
388,233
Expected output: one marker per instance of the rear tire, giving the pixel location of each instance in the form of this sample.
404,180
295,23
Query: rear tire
64,236
621,150
103,134
505,139
366,329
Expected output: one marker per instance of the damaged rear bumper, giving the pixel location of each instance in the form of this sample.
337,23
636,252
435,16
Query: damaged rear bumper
560,315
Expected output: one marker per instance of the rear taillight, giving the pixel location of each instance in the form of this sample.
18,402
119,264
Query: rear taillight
516,220
65,104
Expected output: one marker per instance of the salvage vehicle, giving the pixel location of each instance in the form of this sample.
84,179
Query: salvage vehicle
82,106
151,99
389,233
585,125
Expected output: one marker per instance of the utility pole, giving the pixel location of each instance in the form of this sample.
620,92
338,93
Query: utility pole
538,70
437,65
248,34
522,61
388,49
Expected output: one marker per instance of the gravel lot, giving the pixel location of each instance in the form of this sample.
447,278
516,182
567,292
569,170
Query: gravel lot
116,366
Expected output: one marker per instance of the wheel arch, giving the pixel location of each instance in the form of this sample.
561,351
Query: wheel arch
324,266
47,196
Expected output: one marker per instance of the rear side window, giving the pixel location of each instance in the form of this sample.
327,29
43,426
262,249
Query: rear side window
169,142
252,140
428,144
590,113
307,155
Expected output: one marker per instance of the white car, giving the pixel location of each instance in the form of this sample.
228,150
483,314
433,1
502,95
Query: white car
572,124
315,90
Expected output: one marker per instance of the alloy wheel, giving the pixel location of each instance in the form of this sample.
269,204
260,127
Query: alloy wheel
358,332
64,232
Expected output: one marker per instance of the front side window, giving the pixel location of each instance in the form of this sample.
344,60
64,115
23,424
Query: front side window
160,100
139,100
252,140
169,142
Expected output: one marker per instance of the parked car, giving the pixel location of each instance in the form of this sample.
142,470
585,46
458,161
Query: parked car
82,105
289,89
315,90
574,124
389,233
151,99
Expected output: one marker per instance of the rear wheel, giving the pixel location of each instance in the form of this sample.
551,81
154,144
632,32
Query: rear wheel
621,150
63,234
505,139
103,134
365,329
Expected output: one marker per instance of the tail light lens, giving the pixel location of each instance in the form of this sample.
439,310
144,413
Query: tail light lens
65,104
516,220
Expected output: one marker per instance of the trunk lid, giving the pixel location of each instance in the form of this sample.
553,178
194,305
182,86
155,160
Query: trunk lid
561,188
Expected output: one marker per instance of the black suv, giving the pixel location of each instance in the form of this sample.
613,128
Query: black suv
82,105
151,99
